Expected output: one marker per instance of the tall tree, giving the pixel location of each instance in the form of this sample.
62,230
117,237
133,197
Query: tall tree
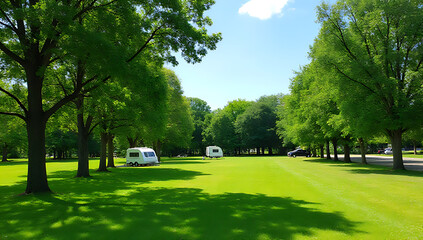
179,127
377,46
257,125
199,110
222,126
33,34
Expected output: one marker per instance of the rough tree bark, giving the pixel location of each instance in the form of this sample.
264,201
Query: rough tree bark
110,151
36,126
103,155
83,134
396,141
347,153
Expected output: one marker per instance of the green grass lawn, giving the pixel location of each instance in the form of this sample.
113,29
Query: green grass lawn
410,154
230,198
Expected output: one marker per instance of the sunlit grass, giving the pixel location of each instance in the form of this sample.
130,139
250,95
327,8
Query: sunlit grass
230,198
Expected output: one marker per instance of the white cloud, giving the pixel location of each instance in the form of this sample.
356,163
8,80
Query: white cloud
263,9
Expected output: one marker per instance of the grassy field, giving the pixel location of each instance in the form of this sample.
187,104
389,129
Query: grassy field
230,198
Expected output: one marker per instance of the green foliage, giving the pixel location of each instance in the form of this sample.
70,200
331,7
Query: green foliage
12,136
199,110
61,144
375,49
221,128
179,127
305,113
257,125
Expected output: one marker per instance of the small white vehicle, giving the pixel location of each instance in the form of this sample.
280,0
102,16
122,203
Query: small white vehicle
141,156
388,151
214,152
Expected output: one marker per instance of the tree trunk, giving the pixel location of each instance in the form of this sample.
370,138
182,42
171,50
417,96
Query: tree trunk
322,151
36,126
314,152
335,149
258,151
362,150
37,174
83,134
157,146
270,151
415,147
396,141
328,150
347,151
110,152
4,158
132,142
103,155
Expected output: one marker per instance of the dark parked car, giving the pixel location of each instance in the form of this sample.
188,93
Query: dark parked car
298,152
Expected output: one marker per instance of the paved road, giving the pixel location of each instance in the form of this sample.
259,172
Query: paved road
415,164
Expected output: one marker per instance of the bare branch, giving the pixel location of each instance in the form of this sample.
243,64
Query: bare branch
60,104
97,85
92,7
12,26
93,127
61,86
11,54
145,44
350,78
16,99
6,25
14,114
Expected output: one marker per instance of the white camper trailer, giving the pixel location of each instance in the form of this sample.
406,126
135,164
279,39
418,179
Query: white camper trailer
141,156
214,152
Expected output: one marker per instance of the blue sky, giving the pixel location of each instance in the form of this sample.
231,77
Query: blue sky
264,41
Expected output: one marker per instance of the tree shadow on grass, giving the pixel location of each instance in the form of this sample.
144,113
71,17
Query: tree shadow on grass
181,158
62,160
367,169
164,213
13,162
122,177
183,162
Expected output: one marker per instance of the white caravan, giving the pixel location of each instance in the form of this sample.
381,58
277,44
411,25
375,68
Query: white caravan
141,156
214,152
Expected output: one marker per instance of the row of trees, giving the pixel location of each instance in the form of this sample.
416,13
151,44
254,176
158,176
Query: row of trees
365,78
91,54
239,127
